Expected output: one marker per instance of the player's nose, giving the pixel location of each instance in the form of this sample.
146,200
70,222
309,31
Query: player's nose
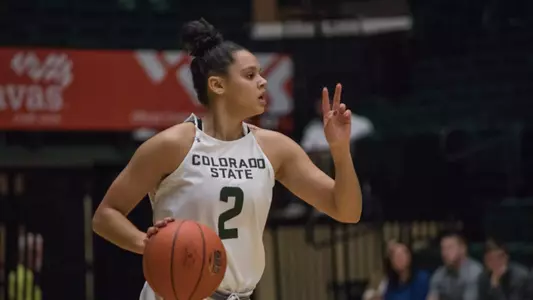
262,83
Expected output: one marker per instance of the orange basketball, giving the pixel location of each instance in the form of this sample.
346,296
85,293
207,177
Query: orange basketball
184,260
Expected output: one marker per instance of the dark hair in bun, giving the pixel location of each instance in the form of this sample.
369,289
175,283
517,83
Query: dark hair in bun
199,37
212,55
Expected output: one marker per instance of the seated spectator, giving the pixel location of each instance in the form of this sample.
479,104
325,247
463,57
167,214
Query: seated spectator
502,279
458,278
402,281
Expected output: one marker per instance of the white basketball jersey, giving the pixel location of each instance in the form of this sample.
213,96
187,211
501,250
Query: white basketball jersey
226,185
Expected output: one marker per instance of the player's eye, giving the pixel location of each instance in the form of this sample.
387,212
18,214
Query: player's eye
250,75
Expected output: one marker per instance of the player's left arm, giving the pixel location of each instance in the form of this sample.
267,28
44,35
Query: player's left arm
340,198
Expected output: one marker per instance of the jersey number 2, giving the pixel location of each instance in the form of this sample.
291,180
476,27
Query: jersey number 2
226,193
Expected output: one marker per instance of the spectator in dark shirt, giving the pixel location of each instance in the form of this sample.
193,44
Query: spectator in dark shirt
404,281
502,280
401,280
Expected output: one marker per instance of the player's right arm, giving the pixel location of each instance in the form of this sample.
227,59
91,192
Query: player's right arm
153,160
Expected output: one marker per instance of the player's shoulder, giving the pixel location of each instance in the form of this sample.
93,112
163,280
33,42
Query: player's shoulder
277,146
178,134
173,140
267,135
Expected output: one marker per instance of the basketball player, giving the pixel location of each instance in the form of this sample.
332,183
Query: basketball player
220,171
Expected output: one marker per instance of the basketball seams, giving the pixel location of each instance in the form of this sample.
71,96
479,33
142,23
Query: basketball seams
174,239
203,262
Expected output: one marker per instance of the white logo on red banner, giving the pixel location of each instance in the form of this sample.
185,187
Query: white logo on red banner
42,93
63,89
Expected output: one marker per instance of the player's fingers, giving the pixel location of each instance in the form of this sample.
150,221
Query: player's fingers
342,108
151,231
328,116
347,113
168,220
326,107
161,223
337,96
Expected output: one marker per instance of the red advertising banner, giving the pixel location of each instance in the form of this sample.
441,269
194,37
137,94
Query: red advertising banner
51,89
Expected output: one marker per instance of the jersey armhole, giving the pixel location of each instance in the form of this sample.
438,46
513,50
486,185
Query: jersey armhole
153,194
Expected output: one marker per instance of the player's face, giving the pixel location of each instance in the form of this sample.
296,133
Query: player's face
452,250
246,88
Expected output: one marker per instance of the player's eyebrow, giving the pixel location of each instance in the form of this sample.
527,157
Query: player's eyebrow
253,68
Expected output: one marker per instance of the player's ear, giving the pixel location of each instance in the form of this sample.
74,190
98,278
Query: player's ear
216,84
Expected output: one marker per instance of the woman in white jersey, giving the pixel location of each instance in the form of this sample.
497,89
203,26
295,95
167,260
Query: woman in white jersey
220,171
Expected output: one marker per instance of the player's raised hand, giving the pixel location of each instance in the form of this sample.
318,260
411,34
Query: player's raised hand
337,119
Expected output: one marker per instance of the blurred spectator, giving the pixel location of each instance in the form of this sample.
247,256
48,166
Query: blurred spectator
315,144
458,278
503,280
402,281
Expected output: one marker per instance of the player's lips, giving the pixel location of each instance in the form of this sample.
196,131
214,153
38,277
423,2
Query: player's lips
262,98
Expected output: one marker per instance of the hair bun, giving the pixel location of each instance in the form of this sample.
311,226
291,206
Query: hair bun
199,36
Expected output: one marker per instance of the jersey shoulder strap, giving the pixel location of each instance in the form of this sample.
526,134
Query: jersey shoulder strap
195,120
